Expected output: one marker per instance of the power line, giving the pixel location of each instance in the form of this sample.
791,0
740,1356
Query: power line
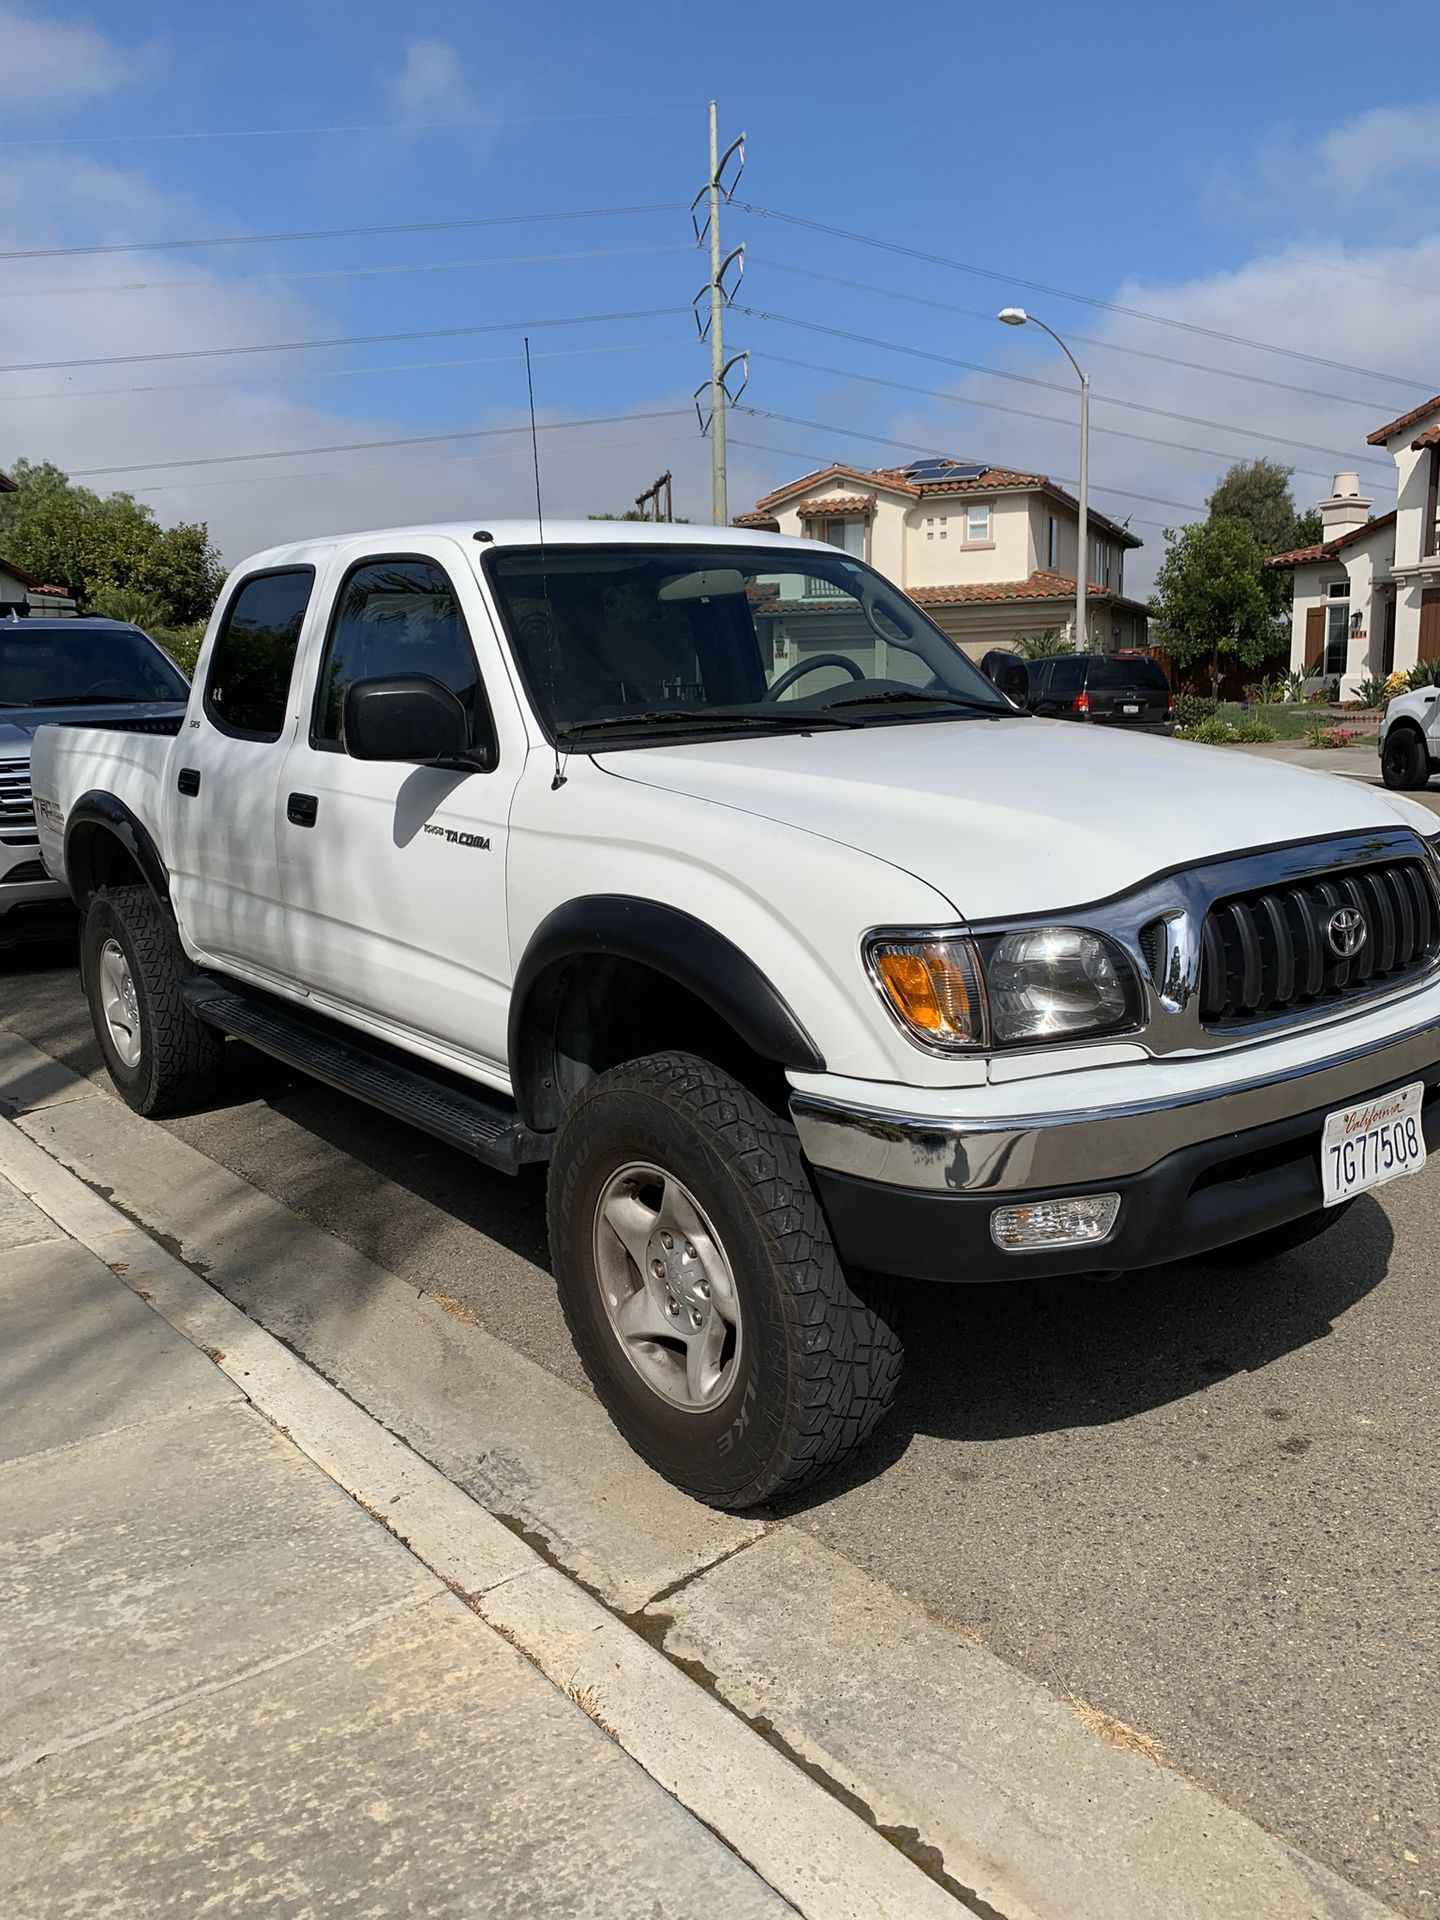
348,373
341,273
1054,386
394,466
1080,299
343,233
381,126
1081,339
369,446
1022,413
339,340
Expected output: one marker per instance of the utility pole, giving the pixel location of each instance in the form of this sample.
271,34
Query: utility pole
656,494
716,296
719,505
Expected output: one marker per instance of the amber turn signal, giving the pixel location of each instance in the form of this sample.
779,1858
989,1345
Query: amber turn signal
932,987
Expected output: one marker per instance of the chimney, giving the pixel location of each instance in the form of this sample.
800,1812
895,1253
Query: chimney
1346,509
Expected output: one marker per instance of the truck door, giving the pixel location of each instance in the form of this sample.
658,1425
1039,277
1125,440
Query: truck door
224,859
394,874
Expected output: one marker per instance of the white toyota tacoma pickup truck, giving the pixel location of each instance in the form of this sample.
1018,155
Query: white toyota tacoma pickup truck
702,867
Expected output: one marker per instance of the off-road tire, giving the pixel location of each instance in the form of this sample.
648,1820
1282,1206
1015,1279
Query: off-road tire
1405,761
180,1057
1274,1241
818,1366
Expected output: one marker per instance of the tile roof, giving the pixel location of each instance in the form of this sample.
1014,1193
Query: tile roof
1430,438
757,519
837,503
1327,549
30,580
1040,585
1382,434
992,480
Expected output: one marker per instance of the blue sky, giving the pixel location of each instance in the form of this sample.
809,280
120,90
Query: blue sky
1246,178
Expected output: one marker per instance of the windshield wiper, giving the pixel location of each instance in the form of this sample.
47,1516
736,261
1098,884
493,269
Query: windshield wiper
800,721
891,695
97,700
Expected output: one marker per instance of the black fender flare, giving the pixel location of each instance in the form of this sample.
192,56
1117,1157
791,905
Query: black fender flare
103,810
671,942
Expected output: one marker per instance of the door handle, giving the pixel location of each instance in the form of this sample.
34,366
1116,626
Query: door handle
301,808
188,781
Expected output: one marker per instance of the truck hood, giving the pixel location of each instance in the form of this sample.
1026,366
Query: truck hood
1018,816
18,725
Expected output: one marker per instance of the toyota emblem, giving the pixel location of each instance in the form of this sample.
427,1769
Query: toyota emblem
1346,932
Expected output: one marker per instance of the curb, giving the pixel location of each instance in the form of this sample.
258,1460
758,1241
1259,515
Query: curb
796,1836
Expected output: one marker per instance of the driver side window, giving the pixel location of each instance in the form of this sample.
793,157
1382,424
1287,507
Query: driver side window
395,616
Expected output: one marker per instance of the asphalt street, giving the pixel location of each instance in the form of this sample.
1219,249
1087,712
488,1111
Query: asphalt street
1201,1500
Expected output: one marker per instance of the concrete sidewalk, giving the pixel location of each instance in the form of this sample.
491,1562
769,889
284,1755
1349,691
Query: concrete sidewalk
225,1688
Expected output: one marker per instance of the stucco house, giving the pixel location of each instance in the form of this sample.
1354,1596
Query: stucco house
989,553
1367,595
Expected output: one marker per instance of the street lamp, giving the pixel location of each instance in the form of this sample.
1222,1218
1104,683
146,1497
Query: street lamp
1018,317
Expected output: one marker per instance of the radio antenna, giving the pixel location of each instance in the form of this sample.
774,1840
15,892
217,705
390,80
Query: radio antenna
560,776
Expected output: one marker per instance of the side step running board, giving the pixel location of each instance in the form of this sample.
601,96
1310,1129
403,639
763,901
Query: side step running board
486,1126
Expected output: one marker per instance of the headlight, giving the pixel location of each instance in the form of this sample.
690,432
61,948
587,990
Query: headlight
1048,983
956,994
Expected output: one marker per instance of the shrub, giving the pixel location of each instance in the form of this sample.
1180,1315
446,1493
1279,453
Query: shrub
1215,732
1294,683
1372,692
1396,683
181,643
1425,673
1321,735
1268,690
1191,709
1041,646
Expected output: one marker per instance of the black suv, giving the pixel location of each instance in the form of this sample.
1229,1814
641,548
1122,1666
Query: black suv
1110,689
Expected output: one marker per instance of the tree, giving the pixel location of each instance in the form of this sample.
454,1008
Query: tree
98,543
1210,597
1257,494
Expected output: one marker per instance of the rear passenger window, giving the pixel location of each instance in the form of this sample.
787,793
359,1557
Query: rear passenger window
1066,676
250,669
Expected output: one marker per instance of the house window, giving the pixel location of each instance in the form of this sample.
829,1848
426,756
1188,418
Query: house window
944,522
1337,634
1052,540
977,523
849,534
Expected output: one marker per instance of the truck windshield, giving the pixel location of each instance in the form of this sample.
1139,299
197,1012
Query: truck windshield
77,663
651,639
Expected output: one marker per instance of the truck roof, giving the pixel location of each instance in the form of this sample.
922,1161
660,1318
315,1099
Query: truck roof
527,533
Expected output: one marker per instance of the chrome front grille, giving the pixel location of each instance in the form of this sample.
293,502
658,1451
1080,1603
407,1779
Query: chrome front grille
1285,949
17,808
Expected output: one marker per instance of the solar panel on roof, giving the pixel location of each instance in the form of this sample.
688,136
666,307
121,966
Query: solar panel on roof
929,470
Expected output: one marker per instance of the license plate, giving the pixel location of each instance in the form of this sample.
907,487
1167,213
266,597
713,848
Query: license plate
1129,709
1377,1140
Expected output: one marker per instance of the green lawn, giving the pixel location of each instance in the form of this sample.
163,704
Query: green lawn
1293,721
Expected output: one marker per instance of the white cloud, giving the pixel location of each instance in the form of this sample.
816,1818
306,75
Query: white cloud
1370,307
53,64
118,416
431,83
1379,144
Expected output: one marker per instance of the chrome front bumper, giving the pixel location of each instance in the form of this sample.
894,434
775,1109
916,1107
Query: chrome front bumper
1018,1152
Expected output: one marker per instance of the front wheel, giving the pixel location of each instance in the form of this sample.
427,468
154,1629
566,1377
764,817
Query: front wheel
700,1286
1405,761
158,1054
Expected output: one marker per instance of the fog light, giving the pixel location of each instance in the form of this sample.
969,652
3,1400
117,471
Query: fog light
1054,1223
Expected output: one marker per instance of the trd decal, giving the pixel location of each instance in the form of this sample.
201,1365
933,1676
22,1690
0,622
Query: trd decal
480,841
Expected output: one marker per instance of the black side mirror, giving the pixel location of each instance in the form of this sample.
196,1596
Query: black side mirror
1009,673
411,718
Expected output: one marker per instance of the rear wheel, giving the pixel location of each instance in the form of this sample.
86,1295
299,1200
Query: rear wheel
701,1289
158,1054
1405,760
